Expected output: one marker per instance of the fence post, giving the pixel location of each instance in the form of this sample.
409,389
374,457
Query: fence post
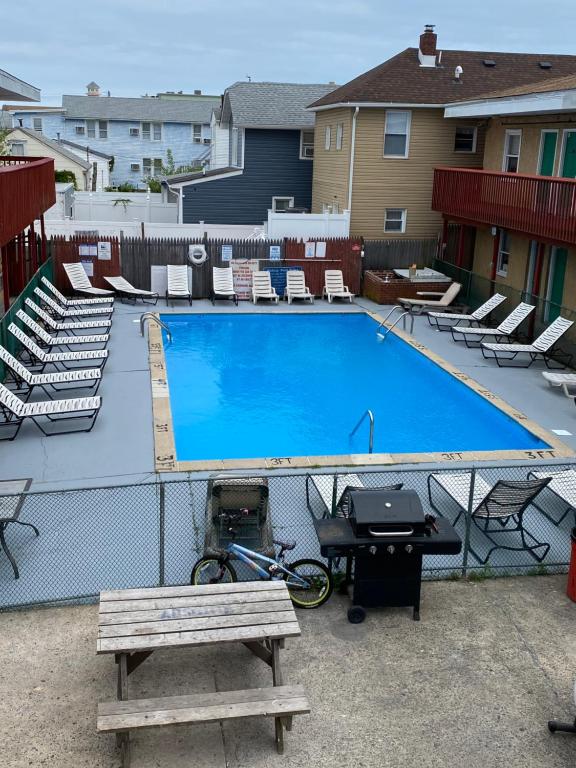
468,520
162,520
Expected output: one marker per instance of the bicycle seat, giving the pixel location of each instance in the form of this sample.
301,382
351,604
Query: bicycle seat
287,545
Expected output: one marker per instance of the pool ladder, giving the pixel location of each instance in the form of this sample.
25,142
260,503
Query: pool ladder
152,316
370,415
396,321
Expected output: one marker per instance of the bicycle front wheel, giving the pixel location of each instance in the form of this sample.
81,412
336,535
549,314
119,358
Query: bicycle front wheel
210,570
313,585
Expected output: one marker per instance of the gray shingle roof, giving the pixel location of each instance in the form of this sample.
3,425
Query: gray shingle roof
53,145
96,152
159,110
273,105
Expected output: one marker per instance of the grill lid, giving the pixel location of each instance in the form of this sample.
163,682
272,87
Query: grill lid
382,513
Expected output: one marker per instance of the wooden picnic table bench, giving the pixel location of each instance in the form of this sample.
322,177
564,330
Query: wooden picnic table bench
133,623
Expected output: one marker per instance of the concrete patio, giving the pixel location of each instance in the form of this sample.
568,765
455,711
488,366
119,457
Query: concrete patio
474,683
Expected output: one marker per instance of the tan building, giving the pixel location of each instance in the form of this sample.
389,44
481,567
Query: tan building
522,205
22,141
379,137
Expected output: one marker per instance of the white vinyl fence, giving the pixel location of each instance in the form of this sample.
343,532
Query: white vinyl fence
124,207
305,225
71,227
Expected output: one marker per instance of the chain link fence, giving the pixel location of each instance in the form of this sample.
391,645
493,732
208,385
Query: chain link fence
152,534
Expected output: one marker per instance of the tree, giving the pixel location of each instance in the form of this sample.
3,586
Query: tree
169,168
3,143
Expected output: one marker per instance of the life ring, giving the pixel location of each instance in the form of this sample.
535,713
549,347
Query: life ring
197,254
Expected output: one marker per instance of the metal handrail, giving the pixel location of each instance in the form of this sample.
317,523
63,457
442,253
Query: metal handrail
394,308
396,321
371,439
152,316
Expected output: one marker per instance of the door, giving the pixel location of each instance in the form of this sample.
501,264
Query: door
555,292
548,153
569,155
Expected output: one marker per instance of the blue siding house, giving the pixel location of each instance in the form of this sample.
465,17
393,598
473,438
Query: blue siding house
261,158
137,133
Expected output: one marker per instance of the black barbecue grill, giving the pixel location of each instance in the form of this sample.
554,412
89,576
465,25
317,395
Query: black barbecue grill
385,537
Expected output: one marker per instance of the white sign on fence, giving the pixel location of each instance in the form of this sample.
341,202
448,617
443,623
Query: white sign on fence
226,253
310,250
88,249
242,270
320,249
88,265
274,253
105,251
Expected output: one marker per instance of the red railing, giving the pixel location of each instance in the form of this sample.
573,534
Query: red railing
540,207
26,191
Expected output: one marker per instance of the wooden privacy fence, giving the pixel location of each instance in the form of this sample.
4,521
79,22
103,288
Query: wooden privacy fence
399,253
86,249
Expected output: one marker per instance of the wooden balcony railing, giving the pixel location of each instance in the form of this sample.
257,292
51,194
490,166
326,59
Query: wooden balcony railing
540,207
26,191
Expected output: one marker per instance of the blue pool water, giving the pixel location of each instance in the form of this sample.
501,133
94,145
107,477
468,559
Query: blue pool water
263,385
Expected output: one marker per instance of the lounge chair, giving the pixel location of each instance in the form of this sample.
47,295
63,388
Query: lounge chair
262,287
72,326
126,290
177,288
77,302
541,348
223,284
332,492
44,337
418,306
445,320
14,412
57,381
497,511
563,380
78,311
10,508
80,282
507,328
334,287
296,287
62,359
563,486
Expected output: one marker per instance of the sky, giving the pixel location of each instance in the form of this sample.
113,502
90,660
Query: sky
137,47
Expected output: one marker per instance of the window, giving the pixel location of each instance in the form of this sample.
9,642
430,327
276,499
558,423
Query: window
282,203
151,166
339,134
152,131
134,166
91,126
80,130
17,148
306,145
512,151
330,208
395,220
103,129
465,139
91,129
327,137
396,133
197,134
134,131
37,123
503,254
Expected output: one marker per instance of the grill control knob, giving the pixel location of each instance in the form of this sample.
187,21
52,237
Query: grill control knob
409,548
373,550
390,549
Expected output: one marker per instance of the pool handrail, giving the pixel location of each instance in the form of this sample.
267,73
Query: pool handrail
153,316
370,415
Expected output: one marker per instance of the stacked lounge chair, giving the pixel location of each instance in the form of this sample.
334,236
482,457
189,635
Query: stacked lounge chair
445,320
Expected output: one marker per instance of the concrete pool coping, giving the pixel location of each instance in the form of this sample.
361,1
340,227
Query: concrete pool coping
166,460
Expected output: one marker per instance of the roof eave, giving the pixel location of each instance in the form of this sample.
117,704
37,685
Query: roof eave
533,103
373,105
14,89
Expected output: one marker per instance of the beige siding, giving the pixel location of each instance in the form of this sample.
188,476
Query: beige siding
36,148
331,167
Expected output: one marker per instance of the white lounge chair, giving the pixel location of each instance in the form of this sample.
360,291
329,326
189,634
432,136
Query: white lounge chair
262,287
540,347
332,493
223,284
59,311
126,290
68,326
563,486
506,329
57,381
563,380
418,306
334,287
178,289
59,341
296,287
445,320
14,412
80,282
77,302
63,359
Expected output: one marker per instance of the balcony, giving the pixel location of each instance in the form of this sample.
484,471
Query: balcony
540,207
26,191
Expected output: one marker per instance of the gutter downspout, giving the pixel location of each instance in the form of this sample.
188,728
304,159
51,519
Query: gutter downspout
180,193
351,173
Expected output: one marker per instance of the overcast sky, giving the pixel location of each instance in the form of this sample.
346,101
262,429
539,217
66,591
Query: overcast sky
133,47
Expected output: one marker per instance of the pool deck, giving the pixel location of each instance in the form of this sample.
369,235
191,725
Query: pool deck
120,449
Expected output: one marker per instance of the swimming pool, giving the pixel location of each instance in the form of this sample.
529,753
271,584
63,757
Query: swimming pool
245,386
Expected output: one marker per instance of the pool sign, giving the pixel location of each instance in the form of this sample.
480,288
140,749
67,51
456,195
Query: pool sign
274,253
320,249
226,253
104,251
242,270
309,250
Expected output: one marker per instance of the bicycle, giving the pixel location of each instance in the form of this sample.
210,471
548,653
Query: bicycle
309,582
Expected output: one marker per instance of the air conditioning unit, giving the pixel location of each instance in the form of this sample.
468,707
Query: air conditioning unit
308,152
207,141
80,130
134,166
134,131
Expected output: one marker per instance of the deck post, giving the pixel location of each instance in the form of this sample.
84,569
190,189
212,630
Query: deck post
5,280
43,240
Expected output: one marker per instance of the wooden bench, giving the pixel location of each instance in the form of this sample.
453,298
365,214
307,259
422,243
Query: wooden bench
280,702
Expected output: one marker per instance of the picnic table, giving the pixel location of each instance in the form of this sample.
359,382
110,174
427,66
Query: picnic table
133,623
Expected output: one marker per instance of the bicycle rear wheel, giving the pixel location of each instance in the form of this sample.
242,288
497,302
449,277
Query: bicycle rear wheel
318,583
210,570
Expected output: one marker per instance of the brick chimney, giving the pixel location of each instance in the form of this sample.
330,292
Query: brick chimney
427,48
